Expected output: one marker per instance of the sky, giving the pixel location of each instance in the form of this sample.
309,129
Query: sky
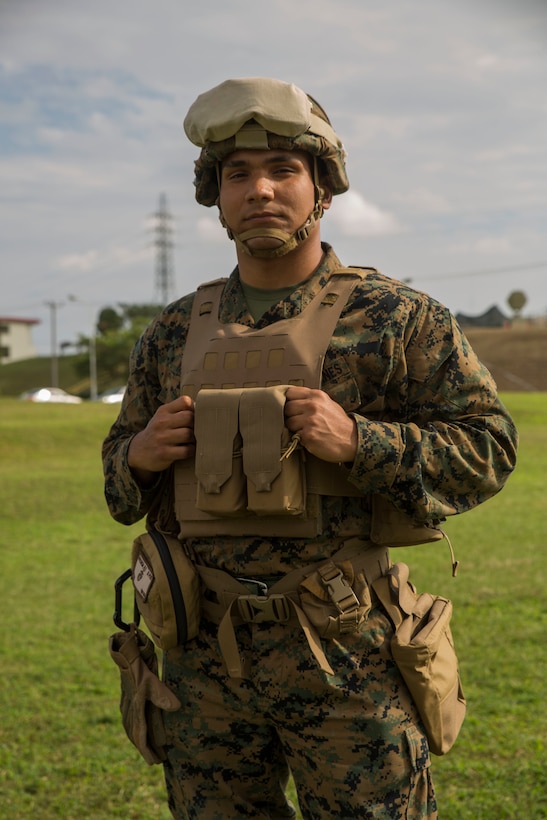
441,105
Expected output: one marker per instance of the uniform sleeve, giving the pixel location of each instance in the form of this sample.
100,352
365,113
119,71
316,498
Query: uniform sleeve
126,500
454,444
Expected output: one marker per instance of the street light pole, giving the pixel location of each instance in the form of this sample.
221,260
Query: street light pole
53,343
93,385
93,390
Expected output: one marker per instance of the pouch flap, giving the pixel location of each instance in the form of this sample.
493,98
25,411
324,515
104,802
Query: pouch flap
261,424
398,581
392,527
215,429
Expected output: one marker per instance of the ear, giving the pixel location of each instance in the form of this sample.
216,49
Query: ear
223,221
327,197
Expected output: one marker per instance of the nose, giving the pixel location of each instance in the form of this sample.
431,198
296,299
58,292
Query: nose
260,187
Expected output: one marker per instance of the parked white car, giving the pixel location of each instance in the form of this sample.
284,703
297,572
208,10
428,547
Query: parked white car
113,396
50,394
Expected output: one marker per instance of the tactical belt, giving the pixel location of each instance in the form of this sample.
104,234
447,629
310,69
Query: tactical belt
228,602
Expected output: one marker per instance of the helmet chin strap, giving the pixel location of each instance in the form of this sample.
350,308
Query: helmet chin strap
287,241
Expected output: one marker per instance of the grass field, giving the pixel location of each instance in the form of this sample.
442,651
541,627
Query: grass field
63,753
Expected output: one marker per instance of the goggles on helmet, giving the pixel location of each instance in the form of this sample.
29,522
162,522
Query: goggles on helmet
280,108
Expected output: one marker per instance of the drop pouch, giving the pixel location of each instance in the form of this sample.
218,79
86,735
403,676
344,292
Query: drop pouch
423,649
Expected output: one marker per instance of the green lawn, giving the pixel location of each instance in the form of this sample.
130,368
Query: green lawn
63,752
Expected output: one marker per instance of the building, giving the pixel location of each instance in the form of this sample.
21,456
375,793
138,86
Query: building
491,318
15,339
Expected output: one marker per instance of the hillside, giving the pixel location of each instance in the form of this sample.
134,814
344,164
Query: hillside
516,356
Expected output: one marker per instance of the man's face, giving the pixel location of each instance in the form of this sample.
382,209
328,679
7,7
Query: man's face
266,189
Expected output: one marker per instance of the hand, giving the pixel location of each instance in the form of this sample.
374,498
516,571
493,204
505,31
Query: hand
168,437
324,427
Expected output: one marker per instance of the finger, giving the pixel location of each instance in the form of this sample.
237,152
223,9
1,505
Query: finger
294,393
176,414
184,435
294,413
179,404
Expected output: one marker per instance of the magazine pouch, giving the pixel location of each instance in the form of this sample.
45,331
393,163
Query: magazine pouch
272,459
221,487
247,464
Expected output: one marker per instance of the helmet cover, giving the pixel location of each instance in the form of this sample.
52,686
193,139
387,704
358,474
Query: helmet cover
260,113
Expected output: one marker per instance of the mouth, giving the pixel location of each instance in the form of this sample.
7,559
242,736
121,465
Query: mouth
263,216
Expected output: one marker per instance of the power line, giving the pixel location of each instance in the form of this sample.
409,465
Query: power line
486,272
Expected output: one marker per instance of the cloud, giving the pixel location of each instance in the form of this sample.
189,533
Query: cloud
109,259
423,200
440,106
210,230
78,261
485,246
353,215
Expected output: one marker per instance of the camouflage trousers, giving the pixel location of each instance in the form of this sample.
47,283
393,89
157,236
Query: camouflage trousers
352,741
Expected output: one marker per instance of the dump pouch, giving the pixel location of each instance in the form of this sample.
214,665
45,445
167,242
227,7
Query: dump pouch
144,696
423,649
167,588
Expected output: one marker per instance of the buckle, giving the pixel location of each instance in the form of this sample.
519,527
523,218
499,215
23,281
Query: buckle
340,592
256,609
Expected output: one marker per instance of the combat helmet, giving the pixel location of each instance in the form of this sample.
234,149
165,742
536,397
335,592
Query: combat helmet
263,113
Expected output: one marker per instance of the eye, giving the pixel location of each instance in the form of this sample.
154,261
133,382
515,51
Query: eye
233,174
285,169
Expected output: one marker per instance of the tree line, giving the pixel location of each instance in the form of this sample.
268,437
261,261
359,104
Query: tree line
116,332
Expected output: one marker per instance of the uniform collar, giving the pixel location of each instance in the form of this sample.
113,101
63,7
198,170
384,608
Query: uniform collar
233,307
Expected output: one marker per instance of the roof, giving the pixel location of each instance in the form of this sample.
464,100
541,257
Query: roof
490,318
14,320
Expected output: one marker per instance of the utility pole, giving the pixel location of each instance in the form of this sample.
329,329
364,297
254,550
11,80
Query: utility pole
164,257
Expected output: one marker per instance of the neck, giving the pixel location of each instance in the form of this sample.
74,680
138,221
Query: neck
283,271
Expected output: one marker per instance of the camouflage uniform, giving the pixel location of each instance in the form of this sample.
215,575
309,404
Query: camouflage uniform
435,438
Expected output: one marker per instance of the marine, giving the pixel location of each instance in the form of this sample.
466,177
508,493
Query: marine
387,407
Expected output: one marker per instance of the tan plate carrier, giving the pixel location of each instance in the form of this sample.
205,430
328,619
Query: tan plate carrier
223,367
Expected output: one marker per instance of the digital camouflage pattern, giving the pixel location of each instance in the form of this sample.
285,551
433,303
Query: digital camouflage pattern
351,740
435,439
433,436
